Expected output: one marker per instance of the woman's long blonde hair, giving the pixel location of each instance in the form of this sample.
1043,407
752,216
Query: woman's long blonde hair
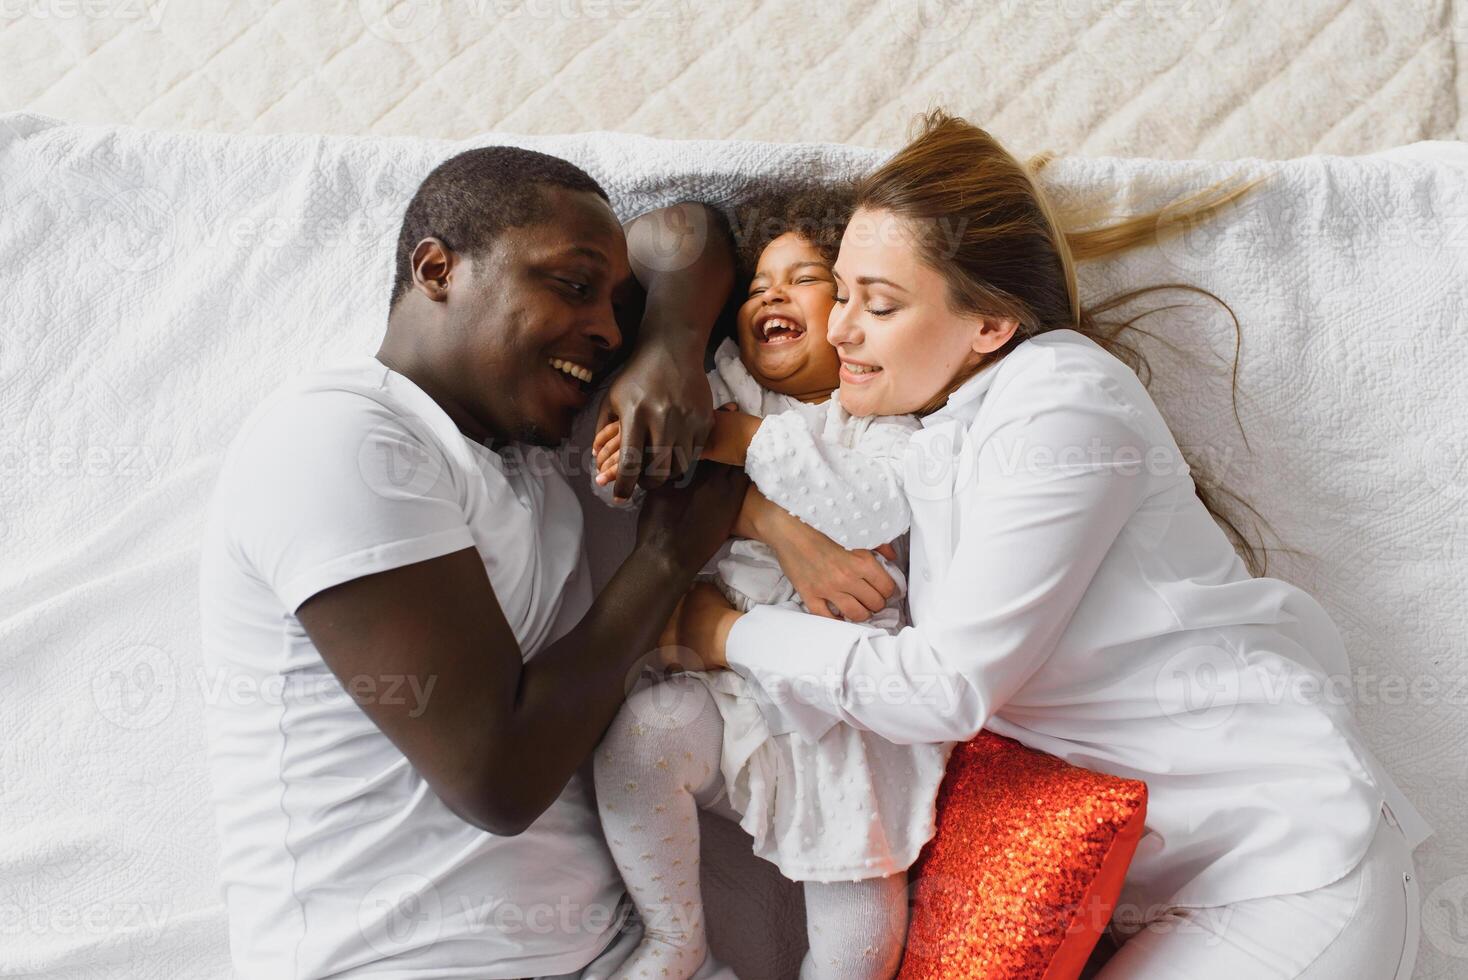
983,221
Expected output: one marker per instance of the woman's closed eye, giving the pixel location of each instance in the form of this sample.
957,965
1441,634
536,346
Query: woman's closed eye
841,300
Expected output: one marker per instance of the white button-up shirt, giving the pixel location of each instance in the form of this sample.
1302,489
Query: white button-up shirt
1070,590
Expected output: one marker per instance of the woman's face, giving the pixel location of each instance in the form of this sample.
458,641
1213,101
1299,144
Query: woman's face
782,324
899,343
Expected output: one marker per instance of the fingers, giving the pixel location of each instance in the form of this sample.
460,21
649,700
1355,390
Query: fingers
629,459
603,434
606,459
818,606
877,577
871,600
888,552
699,431
850,608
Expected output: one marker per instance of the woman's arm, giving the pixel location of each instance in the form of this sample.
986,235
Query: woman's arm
1053,488
683,257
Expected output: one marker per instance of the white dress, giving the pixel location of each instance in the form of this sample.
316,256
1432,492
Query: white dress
849,805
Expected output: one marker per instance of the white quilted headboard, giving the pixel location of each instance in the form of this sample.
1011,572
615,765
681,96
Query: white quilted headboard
1213,79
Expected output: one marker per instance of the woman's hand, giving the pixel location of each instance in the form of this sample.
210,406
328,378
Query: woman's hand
696,635
831,581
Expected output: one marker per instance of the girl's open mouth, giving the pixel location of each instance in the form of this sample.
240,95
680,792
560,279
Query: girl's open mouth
778,330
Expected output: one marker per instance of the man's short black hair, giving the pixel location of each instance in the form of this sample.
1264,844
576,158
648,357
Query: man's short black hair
469,199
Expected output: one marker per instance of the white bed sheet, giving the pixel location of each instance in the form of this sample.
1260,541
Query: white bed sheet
157,285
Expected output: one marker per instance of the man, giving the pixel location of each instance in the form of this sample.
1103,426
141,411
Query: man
399,606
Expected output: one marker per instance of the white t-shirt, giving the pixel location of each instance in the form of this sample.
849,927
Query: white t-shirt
337,857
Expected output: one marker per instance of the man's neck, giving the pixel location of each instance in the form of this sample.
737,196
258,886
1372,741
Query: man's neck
411,364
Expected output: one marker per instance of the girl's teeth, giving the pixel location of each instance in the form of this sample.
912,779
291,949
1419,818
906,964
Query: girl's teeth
574,370
861,369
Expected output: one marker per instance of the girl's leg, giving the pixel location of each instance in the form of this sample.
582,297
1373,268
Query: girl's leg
856,928
658,759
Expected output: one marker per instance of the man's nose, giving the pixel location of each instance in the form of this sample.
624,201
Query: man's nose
603,330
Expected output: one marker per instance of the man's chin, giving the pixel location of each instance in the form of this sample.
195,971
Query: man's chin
544,433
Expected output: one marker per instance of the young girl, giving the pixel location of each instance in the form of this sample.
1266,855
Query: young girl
842,811
1069,582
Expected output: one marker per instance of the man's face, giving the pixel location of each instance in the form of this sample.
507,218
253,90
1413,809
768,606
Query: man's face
540,318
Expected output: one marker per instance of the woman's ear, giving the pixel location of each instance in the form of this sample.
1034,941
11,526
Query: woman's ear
992,333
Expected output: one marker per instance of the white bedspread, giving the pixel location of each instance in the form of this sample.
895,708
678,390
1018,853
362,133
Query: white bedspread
156,286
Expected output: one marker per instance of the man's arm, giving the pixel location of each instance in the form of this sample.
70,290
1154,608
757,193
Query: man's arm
683,257
498,738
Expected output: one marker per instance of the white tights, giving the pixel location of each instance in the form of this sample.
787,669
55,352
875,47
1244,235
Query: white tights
657,765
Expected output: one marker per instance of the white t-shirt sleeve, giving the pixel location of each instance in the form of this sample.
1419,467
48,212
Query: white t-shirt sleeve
327,486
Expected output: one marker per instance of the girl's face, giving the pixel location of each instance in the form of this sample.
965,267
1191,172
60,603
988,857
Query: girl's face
899,343
782,324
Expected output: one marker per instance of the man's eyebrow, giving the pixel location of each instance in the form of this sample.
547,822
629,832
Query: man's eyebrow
584,251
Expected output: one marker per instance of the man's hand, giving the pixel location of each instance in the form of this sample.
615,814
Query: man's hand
664,409
689,523
831,581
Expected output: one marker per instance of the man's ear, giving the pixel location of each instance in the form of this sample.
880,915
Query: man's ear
433,266
992,333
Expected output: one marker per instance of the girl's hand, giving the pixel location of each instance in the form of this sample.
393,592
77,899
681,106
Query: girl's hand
831,581
695,636
607,448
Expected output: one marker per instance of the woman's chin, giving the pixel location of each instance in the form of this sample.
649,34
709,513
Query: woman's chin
860,400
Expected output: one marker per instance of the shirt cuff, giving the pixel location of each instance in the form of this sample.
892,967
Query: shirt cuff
797,661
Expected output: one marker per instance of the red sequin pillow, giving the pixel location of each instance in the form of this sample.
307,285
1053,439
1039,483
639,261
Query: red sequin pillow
1023,873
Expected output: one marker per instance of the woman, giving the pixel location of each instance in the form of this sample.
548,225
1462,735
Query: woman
1070,589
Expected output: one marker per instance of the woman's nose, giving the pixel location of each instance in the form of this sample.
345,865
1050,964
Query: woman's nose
838,327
